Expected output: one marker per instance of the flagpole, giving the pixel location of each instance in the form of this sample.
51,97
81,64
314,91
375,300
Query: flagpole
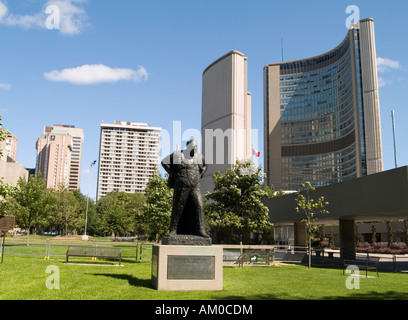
85,237
395,139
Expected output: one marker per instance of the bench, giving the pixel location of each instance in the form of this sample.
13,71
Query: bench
367,263
288,256
231,255
94,252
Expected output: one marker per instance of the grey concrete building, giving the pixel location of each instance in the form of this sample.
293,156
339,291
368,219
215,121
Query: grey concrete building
226,115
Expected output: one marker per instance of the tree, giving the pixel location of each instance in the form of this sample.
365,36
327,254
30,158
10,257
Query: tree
135,207
406,230
93,221
390,233
118,211
6,189
158,206
31,203
236,205
309,207
65,214
373,234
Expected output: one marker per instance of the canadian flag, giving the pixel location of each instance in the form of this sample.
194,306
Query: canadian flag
255,153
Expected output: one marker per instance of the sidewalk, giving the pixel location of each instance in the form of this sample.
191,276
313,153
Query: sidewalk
388,262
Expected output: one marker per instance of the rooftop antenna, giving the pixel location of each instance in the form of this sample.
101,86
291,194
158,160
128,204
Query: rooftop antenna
282,47
395,138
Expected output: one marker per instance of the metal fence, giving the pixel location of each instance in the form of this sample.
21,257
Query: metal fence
232,254
56,248
262,255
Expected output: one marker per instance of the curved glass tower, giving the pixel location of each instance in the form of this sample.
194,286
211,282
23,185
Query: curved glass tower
322,119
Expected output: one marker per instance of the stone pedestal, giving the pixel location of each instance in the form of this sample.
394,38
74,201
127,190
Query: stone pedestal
186,240
187,268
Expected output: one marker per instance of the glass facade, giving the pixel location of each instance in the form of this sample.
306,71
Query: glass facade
318,126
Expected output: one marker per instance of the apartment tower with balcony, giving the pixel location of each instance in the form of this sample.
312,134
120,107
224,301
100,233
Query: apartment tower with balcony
128,156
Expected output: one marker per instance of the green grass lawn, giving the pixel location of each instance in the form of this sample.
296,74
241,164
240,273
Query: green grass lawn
25,278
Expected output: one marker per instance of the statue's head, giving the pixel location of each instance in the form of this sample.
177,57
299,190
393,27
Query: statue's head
192,147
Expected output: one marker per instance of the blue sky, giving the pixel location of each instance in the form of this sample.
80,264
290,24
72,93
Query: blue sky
150,56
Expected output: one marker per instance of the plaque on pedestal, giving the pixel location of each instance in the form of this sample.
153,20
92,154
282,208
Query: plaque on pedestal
186,268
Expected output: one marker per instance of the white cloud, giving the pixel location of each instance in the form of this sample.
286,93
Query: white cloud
383,82
5,86
96,73
385,64
3,10
72,17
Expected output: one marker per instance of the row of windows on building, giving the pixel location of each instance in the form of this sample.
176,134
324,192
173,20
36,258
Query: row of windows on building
317,74
308,84
320,62
327,168
318,92
308,135
326,122
321,109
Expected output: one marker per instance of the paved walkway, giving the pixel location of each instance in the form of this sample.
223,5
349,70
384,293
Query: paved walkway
387,261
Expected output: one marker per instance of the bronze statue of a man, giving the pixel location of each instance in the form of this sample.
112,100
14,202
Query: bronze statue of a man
185,169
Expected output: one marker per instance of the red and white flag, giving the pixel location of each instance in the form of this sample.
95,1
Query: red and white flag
255,153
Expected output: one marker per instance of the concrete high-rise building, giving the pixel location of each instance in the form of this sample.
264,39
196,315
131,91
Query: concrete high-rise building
128,156
9,148
226,115
76,155
11,170
59,155
322,117
54,151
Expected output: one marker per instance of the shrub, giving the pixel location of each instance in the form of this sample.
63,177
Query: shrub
363,245
324,244
398,245
380,245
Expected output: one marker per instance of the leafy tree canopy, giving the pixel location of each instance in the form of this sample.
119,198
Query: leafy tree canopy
236,202
158,206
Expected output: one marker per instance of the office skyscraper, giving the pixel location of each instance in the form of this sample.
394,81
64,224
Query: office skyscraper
128,156
226,115
322,118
